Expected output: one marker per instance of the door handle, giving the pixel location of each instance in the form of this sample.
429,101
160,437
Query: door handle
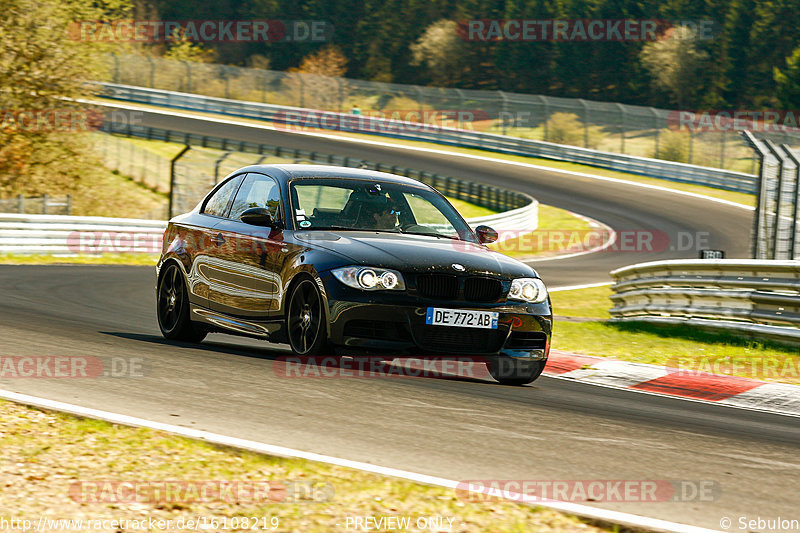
218,239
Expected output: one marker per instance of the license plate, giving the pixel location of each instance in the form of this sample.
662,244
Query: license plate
463,319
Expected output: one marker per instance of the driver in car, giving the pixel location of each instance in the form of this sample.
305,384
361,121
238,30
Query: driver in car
379,216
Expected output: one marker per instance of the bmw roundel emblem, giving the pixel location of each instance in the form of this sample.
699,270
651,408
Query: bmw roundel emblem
458,267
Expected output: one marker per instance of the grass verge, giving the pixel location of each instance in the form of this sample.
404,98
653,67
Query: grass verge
50,460
669,345
100,259
556,234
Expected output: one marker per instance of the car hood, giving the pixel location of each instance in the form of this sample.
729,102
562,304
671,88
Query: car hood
414,253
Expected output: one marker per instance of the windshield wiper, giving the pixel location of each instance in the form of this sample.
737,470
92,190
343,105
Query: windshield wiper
438,235
346,228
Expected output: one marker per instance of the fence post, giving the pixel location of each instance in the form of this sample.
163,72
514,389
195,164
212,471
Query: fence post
69,204
227,82
722,150
172,178
585,122
218,163
621,128
302,89
657,129
152,71
21,204
263,86
188,76
503,110
116,67
461,107
44,204
420,100
545,117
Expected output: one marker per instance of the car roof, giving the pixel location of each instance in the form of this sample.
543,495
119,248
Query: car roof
285,172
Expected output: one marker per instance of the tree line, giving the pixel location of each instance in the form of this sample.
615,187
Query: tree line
749,59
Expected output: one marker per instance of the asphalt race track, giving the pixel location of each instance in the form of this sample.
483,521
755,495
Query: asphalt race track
448,426
463,429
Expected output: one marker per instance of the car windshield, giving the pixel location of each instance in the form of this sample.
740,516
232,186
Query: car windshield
358,205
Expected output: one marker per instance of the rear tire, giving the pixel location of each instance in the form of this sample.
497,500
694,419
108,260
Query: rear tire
172,305
513,371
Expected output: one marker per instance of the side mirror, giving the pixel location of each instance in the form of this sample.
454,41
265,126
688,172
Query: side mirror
259,216
486,234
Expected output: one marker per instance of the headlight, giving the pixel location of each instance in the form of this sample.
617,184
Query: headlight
531,290
370,278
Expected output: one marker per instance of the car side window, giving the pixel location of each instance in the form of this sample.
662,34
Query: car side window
257,190
218,204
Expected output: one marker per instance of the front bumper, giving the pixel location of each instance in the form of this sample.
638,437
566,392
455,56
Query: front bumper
394,321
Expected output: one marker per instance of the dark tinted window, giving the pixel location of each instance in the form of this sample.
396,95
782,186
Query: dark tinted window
257,190
217,205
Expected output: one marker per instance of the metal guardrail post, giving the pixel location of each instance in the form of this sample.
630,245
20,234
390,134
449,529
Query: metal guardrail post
172,177
791,155
776,225
760,196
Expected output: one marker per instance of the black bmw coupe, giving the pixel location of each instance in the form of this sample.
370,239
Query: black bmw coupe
331,259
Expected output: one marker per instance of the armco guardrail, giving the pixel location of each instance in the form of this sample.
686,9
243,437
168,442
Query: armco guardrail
756,297
69,235
297,117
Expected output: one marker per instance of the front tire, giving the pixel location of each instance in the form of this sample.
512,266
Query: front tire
306,325
173,307
513,371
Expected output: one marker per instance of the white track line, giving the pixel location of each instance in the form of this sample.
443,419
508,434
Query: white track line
574,287
584,511
107,103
